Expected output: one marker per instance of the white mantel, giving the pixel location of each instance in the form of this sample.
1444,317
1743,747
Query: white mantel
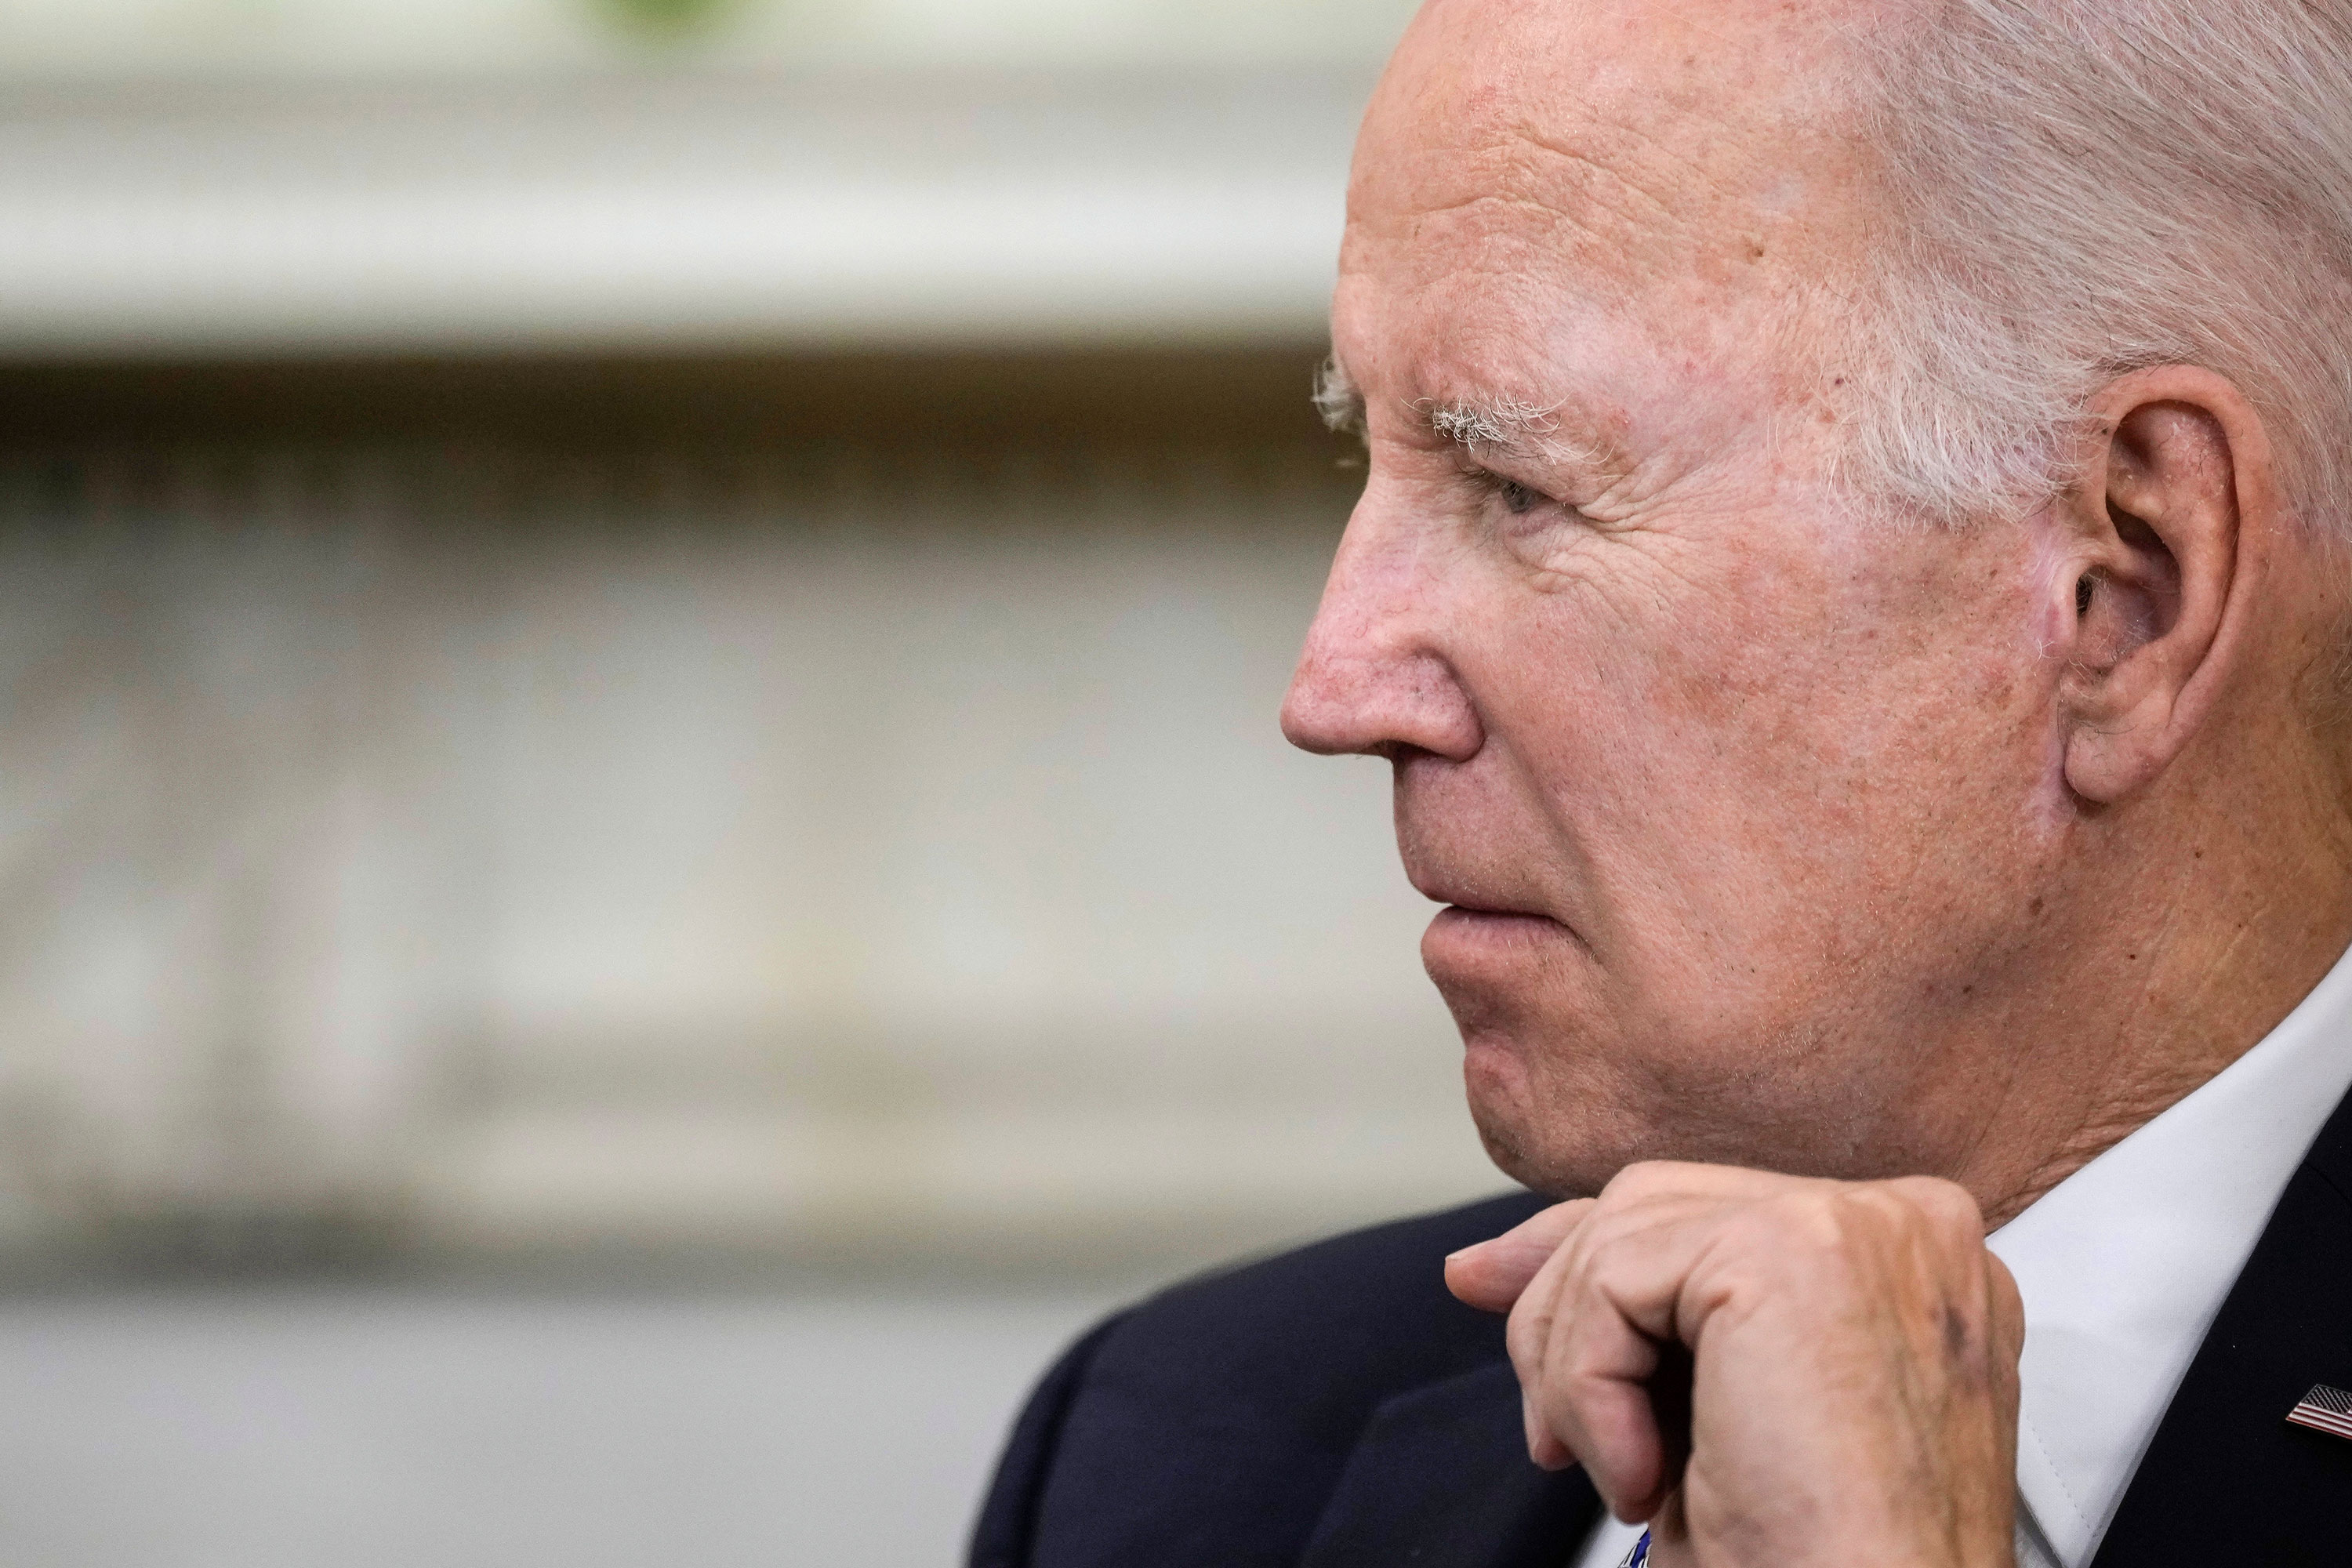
934,208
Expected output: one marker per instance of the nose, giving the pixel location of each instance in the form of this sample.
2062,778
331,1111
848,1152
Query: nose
1375,676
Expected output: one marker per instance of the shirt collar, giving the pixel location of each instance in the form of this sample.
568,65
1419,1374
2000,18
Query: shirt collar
2123,1264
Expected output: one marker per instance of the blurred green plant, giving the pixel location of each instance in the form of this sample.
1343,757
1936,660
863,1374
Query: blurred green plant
664,19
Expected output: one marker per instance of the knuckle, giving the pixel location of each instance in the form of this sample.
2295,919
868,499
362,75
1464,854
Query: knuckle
2008,1302
1805,1223
1527,1333
1852,1220
1524,1338
1630,1184
1946,1205
1611,1247
1646,1179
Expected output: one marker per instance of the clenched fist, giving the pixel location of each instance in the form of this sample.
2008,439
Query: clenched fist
1774,1372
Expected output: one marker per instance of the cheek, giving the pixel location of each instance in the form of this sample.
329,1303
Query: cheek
1688,735
1779,780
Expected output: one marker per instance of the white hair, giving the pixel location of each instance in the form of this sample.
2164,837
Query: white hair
2080,188
1501,423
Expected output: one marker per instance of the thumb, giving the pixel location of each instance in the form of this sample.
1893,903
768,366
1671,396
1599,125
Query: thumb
1491,1275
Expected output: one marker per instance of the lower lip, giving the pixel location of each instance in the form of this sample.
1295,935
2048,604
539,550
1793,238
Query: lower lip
1454,922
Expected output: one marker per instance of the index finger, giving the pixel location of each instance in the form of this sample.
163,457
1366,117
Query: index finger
1491,1275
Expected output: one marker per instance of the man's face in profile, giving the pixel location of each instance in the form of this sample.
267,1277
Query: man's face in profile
1739,786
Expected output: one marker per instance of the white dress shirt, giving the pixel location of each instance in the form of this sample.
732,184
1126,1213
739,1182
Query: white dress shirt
2124,1264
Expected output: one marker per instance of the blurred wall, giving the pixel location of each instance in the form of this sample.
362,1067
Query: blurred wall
862,835
85,40
630,629
917,208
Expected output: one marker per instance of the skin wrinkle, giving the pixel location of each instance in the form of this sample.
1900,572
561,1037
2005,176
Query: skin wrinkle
1487,200
1695,168
2147,1016
1595,170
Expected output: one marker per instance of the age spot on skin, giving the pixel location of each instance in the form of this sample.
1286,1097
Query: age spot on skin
1958,1340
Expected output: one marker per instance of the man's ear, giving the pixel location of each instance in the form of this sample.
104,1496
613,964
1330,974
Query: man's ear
2160,531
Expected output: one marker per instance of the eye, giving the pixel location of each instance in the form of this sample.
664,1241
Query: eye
1515,496
1517,499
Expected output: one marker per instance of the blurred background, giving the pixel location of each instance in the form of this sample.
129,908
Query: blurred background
644,846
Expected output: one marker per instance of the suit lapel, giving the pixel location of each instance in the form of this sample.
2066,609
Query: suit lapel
1441,1478
2226,1480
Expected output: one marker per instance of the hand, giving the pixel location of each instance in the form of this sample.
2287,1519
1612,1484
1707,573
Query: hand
1773,1372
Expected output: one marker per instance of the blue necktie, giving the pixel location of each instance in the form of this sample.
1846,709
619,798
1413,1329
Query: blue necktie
1640,1554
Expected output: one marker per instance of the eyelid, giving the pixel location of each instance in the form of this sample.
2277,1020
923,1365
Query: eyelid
1496,483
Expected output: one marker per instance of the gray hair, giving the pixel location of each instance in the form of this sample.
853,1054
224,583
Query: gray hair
2080,188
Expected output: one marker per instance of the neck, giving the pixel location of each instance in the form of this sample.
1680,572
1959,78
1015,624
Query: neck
2228,918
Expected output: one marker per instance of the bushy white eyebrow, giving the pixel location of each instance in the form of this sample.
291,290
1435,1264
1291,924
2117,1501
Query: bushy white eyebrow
1505,427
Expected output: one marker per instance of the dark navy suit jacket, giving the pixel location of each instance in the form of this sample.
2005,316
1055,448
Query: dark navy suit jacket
1335,1408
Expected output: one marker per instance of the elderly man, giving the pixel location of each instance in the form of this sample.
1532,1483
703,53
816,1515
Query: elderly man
1853,585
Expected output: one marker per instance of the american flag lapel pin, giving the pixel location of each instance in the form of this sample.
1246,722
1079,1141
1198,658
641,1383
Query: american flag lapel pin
2324,1409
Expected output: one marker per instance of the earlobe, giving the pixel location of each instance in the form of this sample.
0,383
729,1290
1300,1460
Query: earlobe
2155,521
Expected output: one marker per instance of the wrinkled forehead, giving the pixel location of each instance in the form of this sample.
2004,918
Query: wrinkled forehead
1698,154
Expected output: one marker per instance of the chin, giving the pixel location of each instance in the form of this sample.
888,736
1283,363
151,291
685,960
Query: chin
1562,1145
1536,1048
